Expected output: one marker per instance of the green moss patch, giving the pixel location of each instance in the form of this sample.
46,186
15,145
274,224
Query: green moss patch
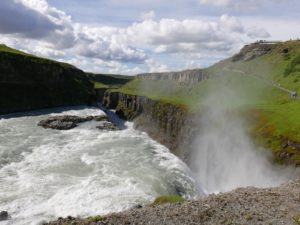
168,199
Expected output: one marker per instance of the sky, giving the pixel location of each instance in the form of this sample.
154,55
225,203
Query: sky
138,36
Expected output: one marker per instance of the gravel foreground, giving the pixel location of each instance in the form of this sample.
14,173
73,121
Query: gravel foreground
280,205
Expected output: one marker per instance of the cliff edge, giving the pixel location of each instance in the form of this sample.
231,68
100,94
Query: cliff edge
28,82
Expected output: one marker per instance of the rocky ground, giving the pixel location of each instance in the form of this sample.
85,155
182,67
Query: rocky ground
280,205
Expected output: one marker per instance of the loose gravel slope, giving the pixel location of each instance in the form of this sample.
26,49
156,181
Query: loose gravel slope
280,205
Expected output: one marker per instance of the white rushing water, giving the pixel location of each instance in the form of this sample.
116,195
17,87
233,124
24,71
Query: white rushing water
48,173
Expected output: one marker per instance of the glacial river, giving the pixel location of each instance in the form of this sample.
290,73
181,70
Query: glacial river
45,174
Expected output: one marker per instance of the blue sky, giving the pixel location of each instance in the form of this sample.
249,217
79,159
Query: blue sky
136,36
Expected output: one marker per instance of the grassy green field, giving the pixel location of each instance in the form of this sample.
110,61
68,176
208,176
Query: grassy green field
5,50
109,80
168,199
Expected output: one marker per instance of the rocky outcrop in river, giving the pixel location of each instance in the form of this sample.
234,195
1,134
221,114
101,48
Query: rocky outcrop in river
68,122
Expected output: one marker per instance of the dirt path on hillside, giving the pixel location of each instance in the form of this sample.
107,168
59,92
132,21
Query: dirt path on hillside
269,82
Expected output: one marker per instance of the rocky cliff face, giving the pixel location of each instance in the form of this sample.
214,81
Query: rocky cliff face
253,51
28,83
171,125
183,77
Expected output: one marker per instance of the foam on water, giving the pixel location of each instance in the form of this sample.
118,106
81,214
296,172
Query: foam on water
46,173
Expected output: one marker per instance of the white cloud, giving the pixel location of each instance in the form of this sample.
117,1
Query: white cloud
16,18
107,44
231,23
49,32
155,66
170,35
34,19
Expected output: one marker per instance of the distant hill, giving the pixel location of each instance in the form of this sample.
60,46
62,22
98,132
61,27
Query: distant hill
186,77
29,82
109,80
278,63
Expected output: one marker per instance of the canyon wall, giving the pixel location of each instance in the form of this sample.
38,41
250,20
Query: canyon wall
171,125
28,82
182,77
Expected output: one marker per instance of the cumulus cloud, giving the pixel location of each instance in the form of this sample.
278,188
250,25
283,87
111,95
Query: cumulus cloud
107,44
171,36
17,18
155,66
50,32
231,23
36,20
130,44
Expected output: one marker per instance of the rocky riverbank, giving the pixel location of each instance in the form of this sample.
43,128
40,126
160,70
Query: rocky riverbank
279,205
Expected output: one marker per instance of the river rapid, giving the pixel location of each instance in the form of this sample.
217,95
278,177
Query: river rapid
45,174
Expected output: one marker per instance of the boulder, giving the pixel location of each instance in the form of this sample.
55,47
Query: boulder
105,125
62,122
67,122
3,215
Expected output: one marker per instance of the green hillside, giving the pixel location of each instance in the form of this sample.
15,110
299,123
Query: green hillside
260,77
7,51
109,80
4,48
